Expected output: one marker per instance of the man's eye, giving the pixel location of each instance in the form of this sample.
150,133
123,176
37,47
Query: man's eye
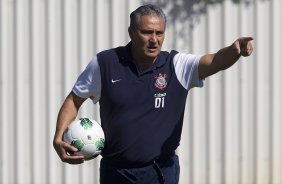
159,33
149,32
146,32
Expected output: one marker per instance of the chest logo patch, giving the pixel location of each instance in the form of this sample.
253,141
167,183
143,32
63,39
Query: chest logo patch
160,81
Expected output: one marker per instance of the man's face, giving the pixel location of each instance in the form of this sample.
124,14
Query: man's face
148,38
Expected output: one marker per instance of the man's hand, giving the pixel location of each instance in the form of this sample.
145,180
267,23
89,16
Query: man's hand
63,148
243,46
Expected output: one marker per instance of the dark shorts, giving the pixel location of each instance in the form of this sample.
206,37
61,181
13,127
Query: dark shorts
158,172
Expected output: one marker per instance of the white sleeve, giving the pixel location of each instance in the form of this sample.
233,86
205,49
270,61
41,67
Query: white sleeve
186,69
88,84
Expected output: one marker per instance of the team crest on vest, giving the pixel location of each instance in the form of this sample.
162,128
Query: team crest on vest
160,81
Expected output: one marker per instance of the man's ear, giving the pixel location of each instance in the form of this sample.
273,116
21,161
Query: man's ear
130,32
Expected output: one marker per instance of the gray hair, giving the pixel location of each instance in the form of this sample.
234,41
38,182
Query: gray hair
148,9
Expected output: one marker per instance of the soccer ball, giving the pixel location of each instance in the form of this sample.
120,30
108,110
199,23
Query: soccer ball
87,136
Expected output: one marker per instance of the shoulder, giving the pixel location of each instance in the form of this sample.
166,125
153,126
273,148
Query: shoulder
112,54
184,60
106,54
166,58
168,55
184,57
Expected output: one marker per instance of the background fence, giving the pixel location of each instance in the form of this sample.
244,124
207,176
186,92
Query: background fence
233,125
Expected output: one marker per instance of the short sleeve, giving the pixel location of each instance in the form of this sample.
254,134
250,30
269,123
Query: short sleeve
88,84
186,69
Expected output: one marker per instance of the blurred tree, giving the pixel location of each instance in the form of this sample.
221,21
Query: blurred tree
190,9
186,14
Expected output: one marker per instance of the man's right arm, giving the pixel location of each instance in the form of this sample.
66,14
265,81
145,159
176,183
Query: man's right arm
67,114
212,63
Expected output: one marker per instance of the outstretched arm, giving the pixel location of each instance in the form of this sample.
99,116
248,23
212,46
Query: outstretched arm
66,115
212,63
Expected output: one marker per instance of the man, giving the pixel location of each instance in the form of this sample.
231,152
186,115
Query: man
142,94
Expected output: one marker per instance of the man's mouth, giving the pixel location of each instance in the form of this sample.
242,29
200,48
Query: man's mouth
152,49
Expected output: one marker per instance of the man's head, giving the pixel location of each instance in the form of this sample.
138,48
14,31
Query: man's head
147,28
148,9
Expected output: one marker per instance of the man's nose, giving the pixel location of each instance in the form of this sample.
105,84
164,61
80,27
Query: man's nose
153,38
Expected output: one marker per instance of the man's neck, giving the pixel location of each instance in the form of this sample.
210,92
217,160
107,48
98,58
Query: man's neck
142,63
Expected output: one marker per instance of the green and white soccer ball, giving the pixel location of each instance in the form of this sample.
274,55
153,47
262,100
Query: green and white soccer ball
87,136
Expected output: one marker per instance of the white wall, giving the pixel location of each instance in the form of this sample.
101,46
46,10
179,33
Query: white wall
232,131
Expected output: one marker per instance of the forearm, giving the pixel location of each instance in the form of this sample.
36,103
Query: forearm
213,63
66,115
225,58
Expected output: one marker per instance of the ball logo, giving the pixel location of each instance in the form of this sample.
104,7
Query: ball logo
161,81
89,137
